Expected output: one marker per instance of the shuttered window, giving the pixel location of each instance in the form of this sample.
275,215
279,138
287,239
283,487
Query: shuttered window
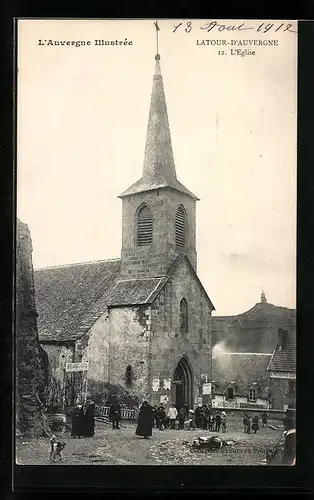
180,227
144,226
252,395
230,393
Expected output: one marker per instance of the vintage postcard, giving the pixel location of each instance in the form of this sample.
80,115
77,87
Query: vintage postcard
156,242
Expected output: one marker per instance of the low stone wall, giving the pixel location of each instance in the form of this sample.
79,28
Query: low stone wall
271,414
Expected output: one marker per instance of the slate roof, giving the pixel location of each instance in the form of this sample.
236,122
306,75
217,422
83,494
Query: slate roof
284,358
70,298
150,183
244,369
135,291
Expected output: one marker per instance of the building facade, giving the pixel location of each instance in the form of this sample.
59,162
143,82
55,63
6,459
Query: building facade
282,371
141,323
240,380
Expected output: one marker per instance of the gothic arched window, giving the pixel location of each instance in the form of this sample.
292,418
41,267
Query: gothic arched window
180,227
183,316
144,226
128,375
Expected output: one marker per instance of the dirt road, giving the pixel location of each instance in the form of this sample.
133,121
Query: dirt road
168,447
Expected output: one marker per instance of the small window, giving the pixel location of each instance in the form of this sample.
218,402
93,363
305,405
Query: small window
128,375
180,227
183,316
144,226
200,338
230,394
252,395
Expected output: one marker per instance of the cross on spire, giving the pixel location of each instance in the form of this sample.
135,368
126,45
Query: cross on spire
157,56
159,168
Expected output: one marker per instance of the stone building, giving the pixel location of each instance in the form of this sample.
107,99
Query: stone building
240,380
254,330
30,358
282,371
142,322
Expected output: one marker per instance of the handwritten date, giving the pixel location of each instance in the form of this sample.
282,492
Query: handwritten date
260,28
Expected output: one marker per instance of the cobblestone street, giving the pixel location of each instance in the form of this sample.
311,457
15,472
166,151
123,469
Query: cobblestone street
168,447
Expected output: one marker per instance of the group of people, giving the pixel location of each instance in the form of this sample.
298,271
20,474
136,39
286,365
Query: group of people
253,423
158,417
83,420
167,420
203,417
207,419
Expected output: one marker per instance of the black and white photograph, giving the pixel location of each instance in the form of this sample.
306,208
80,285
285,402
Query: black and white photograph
155,294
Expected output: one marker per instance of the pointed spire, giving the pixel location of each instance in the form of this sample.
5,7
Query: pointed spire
159,168
158,160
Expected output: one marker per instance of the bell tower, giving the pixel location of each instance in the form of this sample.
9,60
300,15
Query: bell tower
158,212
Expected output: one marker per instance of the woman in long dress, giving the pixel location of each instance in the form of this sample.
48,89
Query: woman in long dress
255,425
77,422
145,421
90,419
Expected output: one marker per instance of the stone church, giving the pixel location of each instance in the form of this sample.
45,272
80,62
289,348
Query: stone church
142,322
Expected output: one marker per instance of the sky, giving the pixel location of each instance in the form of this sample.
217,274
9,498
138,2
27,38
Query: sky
81,130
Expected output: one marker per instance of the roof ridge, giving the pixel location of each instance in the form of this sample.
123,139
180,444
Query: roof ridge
142,278
114,259
245,354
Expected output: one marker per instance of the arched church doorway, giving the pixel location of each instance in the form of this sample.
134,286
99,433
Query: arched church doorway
183,384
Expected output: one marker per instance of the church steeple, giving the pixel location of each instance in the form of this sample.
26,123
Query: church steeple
158,212
159,167
158,160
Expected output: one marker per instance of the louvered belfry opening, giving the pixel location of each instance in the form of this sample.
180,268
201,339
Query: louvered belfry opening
144,226
180,227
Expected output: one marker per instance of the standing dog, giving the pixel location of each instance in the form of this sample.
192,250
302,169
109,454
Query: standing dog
55,449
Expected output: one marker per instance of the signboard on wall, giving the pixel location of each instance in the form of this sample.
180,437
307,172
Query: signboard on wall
167,384
164,399
207,388
155,384
77,367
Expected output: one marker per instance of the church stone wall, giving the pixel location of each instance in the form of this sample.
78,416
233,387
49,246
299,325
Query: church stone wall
129,344
94,348
169,345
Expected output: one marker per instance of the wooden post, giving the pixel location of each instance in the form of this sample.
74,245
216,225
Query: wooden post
85,392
